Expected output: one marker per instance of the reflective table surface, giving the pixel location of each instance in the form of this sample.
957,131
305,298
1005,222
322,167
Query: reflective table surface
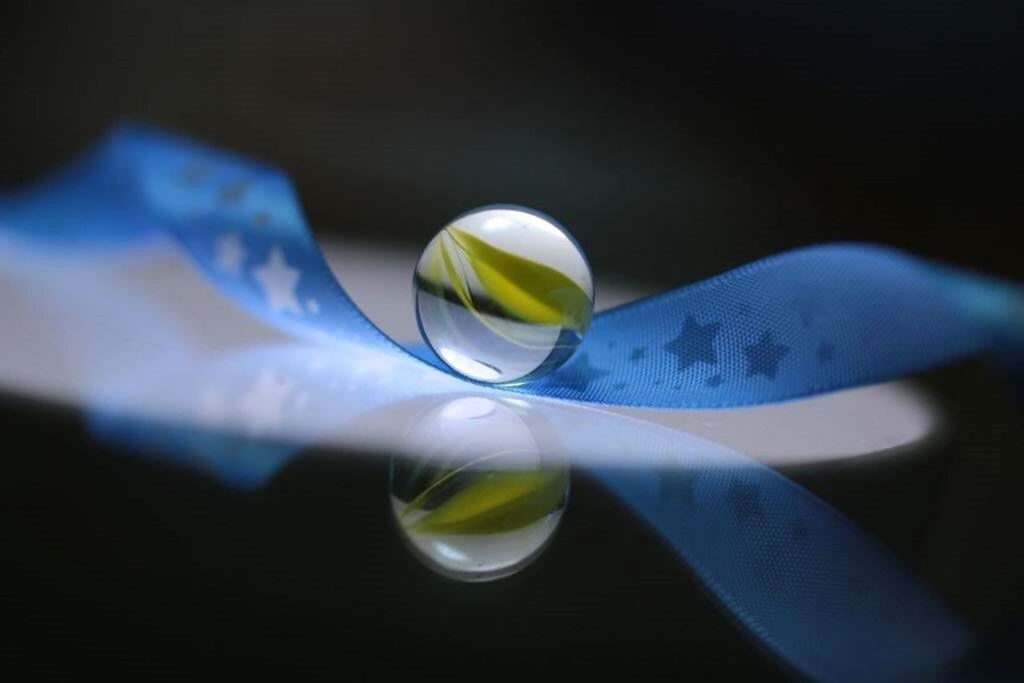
196,478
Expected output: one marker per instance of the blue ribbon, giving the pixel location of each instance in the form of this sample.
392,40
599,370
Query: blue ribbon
800,577
792,325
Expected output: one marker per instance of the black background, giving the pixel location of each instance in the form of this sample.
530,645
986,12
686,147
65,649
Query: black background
674,140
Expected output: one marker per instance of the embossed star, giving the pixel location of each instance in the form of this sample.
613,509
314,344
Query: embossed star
278,281
763,358
695,343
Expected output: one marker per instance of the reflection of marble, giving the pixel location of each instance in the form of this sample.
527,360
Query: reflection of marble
472,493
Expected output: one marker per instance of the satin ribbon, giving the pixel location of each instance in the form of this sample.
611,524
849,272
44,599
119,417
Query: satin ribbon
792,325
803,580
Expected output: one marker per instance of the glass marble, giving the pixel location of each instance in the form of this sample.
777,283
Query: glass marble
473,493
504,294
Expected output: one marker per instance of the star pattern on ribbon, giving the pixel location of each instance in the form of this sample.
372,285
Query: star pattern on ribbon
278,281
195,173
234,192
695,343
744,499
763,357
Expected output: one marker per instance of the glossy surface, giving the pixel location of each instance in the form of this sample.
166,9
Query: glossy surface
472,493
503,294
318,538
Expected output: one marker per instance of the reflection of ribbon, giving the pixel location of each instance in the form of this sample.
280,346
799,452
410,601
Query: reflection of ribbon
800,578
792,325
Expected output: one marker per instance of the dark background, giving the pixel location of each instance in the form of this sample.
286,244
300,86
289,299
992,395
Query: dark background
674,140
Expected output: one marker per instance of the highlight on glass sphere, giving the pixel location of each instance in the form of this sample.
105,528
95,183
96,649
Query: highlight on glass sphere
504,294
468,509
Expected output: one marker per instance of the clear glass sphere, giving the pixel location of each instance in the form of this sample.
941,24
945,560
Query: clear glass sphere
503,294
473,494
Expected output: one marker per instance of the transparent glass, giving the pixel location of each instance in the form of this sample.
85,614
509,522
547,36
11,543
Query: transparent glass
503,294
474,496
